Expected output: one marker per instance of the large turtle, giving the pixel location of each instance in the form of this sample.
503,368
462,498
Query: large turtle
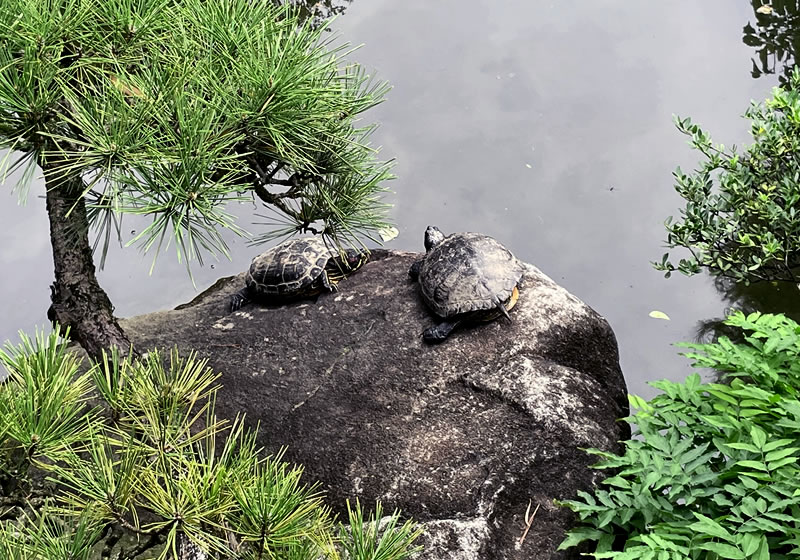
296,268
465,276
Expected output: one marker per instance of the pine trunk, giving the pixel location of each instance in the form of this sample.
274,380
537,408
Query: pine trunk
78,300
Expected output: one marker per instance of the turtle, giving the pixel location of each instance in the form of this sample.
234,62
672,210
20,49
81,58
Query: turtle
297,268
465,277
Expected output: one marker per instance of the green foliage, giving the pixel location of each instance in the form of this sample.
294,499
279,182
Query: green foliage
150,468
49,536
377,538
713,471
742,213
46,414
172,109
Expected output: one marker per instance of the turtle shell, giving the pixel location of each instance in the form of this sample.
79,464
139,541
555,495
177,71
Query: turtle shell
291,268
468,272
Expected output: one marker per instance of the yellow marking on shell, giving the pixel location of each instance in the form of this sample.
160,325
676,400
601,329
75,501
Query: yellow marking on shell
512,301
492,314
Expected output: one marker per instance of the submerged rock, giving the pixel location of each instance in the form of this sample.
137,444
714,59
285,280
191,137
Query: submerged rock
461,436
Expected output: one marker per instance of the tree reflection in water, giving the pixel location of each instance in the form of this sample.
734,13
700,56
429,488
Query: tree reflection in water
776,37
766,297
318,12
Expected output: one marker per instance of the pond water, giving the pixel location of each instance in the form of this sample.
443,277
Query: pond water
547,125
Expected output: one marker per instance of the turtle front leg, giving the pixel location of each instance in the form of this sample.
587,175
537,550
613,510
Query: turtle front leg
439,332
413,272
327,283
239,299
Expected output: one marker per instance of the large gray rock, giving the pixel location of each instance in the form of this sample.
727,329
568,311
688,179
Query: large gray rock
461,436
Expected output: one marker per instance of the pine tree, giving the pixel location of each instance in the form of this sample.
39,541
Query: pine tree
174,109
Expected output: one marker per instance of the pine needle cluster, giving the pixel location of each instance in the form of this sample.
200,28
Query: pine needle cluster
173,109
128,458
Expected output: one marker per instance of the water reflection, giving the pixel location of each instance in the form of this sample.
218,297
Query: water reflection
766,297
775,36
318,12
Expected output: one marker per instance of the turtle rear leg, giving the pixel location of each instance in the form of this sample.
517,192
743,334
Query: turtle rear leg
439,332
502,307
506,306
239,299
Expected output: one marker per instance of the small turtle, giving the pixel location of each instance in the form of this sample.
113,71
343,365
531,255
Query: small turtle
465,276
296,268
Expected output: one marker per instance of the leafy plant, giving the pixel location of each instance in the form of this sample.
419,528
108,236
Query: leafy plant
714,469
742,213
151,469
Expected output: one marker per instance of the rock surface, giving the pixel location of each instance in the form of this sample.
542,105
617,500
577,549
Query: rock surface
461,436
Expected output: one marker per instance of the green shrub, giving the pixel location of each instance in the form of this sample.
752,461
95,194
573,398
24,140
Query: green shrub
742,213
129,458
712,471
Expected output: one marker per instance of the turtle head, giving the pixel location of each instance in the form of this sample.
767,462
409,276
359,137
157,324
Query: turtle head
432,237
353,259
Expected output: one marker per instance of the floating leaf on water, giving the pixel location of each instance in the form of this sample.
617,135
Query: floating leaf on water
765,9
659,315
389,233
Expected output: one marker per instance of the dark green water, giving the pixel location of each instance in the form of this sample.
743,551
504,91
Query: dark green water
545,125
